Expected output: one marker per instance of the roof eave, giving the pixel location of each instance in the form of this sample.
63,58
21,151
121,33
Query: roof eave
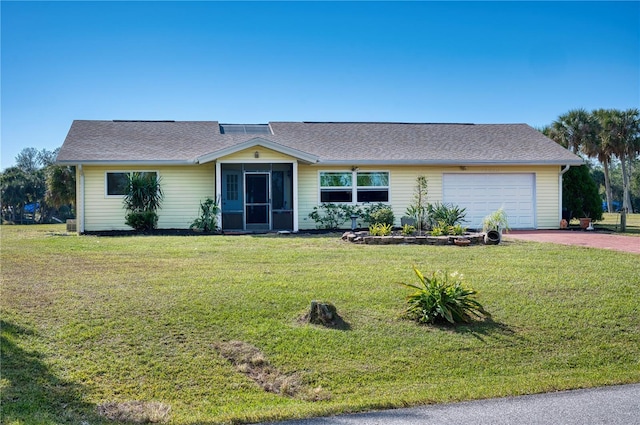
125,162
465,163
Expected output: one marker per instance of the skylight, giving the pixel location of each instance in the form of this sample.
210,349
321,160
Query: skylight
245,129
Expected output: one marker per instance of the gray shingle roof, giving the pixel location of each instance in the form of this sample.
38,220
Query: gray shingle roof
330,142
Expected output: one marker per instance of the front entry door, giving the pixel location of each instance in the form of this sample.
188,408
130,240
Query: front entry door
257,201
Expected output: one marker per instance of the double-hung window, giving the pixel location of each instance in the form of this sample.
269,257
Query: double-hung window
336,187
354,186
116,181
373,186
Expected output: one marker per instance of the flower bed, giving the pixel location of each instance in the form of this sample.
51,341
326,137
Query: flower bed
365,238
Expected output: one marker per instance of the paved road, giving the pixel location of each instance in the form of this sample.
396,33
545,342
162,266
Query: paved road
616,405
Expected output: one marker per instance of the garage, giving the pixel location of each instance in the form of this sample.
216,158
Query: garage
482,194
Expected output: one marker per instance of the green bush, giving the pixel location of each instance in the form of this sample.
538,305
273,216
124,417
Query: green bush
408,230
418,209
443,229
580,196
380,229
208,220
445,214
142,198
442,298
332,216
382,215
142,220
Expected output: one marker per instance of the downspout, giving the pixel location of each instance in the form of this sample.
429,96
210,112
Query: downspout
564,170
80,200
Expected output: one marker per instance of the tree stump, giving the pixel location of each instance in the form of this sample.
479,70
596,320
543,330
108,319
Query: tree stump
322,313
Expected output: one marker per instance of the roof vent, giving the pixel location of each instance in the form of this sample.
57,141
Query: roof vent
245,129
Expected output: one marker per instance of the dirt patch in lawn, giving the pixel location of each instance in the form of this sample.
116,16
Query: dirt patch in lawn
250,361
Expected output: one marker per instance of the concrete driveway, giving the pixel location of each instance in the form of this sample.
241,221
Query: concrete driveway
579,238
616,405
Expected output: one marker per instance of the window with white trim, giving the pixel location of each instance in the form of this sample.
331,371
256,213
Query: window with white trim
116,181
354,187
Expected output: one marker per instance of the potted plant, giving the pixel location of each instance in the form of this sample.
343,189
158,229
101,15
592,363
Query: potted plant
493,225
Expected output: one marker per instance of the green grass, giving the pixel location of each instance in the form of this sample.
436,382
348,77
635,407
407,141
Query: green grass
88,320
611,221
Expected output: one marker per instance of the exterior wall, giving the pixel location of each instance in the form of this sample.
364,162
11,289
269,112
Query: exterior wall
184,188
403,181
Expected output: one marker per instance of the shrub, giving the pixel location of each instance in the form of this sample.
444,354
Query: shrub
366,212
208,220
380,229
408,230
382,216
497,220
142,198
445,214
142,220
442,298
418,208
580,196
332,216
443,229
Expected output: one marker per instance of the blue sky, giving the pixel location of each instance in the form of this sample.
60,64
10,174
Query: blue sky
244,62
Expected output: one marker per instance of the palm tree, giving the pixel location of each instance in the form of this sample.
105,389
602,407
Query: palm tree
602,150
574,129
625,144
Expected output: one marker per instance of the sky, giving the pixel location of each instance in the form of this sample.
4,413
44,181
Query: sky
255,62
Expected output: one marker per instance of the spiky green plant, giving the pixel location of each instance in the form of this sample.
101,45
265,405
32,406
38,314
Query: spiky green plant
442,298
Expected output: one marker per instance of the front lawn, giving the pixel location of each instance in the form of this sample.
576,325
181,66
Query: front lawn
89,320
611,221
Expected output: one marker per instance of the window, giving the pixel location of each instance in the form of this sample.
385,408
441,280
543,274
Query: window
373,187
370,186
116,182
232,187
336,187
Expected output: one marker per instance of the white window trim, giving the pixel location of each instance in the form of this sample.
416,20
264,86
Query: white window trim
106,181
354,186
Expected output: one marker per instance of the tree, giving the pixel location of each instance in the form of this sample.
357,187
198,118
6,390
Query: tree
601,149
19,188
580,196
27,183
574,129
61,186
625,144
27,160
142,199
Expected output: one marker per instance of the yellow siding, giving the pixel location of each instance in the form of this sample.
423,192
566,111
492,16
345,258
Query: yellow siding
184,188
403,182
265,155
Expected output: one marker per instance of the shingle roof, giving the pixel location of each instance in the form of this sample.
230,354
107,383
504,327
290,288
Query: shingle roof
329,142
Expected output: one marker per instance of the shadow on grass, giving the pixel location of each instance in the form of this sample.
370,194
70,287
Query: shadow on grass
484,329
31,393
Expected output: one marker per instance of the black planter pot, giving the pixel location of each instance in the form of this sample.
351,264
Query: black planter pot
492,237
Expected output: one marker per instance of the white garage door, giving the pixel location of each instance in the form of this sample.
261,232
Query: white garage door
481,194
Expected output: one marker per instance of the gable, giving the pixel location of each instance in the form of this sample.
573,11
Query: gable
258,148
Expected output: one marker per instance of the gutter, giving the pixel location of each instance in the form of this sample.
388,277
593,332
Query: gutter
443,163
